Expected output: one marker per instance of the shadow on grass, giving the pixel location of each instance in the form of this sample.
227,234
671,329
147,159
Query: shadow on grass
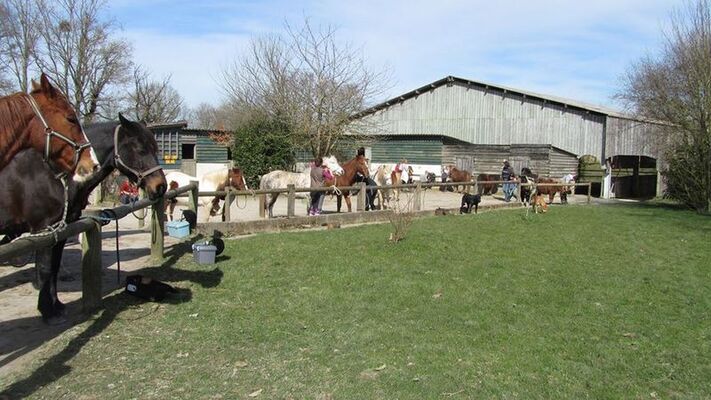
36,333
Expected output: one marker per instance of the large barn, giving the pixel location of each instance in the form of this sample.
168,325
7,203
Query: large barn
477,125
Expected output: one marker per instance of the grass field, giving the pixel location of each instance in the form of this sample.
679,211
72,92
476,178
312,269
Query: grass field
583,302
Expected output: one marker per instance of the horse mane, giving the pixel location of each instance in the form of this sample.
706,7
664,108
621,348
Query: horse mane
13,114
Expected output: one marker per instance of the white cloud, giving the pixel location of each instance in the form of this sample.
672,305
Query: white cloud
193,62
565,48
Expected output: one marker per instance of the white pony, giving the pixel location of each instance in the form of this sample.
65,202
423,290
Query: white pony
209,182
382,178
280,179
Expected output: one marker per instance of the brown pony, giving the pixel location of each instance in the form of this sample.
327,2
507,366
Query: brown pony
234,179
551,190
170,204
45,121
348,178
458,175
485,187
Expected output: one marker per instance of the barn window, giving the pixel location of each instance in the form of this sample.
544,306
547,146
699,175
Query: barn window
188,151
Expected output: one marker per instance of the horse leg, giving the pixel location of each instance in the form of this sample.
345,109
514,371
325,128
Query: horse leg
272,200
339,200
171,208
348,202
371,200
225,206
48,303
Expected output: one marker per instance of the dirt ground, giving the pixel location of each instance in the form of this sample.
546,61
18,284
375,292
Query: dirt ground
246,208
22,332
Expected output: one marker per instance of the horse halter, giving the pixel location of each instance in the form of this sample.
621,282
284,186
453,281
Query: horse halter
139,175
49,132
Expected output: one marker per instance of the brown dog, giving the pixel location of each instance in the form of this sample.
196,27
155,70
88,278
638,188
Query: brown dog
538,202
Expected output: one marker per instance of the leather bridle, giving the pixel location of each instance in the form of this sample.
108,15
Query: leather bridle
49,133
140,176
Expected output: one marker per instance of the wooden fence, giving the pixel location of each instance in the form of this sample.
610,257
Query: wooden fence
416,188
90,227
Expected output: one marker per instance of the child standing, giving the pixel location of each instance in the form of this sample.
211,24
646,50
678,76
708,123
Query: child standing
316,182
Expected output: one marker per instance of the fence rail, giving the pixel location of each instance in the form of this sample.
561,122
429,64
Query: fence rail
419,187
90,227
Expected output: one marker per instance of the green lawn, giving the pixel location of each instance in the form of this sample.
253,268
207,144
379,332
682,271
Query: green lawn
582,302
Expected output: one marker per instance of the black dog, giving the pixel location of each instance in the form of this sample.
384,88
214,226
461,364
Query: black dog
469,200
147,288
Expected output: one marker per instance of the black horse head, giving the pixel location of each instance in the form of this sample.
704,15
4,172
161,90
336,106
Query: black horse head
131,148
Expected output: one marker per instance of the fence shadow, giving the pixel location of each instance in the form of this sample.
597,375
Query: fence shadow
34,332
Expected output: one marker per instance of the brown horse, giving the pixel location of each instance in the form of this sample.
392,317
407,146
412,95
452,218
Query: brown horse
33,198
45,121
170,204
458,175
234,179
552,190
348,178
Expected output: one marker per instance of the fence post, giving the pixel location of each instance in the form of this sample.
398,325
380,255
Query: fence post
360,199
142,212
518,191
262,204
193,197
91,271
589,191
228,201
417,204
157,229
291,204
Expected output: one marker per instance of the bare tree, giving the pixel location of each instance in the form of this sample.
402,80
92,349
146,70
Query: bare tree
78,51
307,80
19,34
675,87
6,86
207,116
204,116
153,101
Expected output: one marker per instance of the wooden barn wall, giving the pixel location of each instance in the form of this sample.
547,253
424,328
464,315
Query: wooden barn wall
562,163
630,137
490,116
417,150
208,151
426,151
489,158
535,157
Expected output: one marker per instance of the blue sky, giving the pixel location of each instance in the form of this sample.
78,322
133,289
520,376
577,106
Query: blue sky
572,49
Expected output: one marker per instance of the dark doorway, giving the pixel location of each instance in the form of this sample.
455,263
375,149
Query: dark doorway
634,177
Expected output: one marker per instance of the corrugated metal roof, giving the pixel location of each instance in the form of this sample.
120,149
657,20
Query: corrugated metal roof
504,89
